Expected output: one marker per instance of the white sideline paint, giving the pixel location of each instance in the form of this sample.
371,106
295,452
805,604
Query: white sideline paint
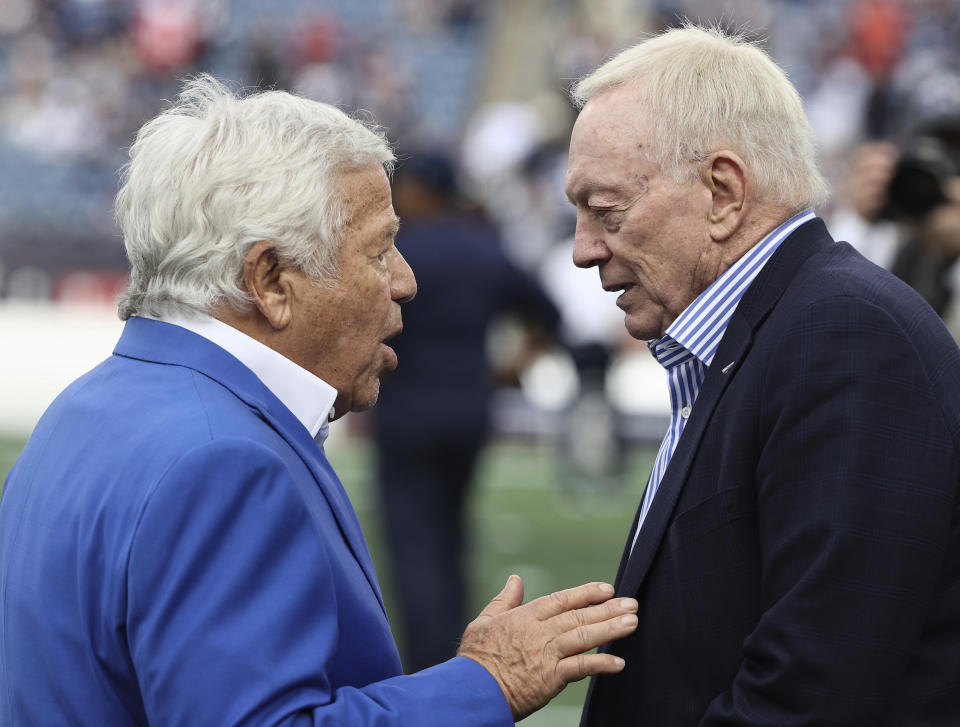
43,347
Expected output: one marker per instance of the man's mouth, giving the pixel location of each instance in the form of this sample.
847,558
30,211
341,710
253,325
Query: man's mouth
625,286
391,354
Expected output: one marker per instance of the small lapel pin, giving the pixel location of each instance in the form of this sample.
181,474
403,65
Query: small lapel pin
727,367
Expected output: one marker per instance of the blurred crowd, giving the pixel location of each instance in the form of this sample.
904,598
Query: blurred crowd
77,77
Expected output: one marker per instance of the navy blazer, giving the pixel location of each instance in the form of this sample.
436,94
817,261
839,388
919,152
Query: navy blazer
800,564
176,550
443,387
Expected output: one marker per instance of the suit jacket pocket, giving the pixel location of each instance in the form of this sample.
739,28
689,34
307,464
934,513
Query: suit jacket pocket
710,577
708,519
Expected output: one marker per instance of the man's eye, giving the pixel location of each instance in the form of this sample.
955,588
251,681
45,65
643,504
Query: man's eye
382,257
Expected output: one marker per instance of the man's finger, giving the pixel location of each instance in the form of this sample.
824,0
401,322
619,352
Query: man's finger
575,668
510,597
572,598
590,636
570,620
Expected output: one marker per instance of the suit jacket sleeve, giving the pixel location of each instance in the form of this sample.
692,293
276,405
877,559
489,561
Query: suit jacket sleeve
855,495
232,614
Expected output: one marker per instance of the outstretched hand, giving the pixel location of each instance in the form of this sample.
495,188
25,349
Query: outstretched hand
535,650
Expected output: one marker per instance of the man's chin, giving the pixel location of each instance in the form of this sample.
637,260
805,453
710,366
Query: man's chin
639,329
365,400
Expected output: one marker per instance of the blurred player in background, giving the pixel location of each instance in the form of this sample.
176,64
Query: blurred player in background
433,416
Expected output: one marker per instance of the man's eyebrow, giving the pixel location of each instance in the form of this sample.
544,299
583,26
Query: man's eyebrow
585,190
393,228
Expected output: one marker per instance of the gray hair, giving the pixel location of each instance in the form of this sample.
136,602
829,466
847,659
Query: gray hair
215,173
705,90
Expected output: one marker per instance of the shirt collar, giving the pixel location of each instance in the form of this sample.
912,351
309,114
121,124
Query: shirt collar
697,331
309,398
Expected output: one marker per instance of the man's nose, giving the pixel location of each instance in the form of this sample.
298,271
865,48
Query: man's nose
403,284
589,248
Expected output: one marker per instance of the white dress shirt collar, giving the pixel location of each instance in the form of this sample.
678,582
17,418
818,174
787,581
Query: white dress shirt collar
308,397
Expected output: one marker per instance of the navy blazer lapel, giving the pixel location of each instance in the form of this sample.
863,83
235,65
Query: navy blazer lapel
733,347
165,343
756,304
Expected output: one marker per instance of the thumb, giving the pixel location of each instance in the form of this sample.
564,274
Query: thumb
510,597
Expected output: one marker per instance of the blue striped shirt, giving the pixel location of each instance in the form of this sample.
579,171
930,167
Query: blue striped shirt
690,342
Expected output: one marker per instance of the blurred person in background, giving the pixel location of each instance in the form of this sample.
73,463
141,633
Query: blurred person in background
433,416
591,446
796,553
898,202
175,547
902,209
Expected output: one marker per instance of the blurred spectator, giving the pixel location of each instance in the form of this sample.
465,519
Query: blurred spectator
435,15
16,16
903,210
898,203
385,86
267,69
515,157
863,196
86,21
879,30
170,35
591,446
923,196
433,414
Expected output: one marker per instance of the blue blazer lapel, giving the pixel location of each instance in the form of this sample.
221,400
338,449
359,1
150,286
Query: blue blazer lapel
159,342
753,309
335,495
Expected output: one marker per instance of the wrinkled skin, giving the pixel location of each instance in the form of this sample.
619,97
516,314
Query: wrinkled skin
342,330
535,650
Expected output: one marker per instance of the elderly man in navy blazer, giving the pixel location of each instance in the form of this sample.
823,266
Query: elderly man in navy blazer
796,553
175,548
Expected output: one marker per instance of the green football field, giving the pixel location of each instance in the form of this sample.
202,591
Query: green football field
523,522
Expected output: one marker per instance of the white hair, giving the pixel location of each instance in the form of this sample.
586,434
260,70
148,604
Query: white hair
704,90
215,173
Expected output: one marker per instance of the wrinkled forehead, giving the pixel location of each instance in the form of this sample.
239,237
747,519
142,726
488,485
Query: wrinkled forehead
607,144
611,124
367,190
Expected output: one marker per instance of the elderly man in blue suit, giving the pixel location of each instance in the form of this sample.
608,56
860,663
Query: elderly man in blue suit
175,548
796,554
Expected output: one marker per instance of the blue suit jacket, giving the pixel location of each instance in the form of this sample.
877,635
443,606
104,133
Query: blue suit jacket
176,550
800,564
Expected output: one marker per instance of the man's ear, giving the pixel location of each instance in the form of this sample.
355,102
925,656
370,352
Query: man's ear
268,284
724,174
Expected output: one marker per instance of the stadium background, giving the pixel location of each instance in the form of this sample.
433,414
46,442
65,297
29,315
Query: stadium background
483,80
